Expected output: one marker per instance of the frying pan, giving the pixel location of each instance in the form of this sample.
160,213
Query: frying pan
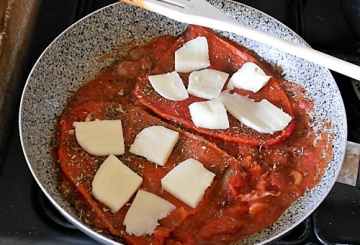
78,54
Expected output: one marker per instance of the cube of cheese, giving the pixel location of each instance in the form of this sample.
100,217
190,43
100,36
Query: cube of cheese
188,182
100,137
169,85
209,114
155,143
114,183
193,55
206,83
144,213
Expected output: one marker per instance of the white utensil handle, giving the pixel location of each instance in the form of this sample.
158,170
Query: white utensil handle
322,59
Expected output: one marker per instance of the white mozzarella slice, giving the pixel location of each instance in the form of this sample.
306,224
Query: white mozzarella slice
193,55
100,137
155,143
249,77
209,114
169,85
188,181
144,213
262,116
206,83
114,183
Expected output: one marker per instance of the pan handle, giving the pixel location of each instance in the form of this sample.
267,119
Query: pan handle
349,173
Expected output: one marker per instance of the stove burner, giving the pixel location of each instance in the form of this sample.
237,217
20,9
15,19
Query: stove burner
51,212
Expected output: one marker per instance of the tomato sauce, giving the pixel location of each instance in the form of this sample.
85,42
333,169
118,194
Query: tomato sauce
257,177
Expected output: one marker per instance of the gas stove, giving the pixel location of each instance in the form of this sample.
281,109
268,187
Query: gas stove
27,217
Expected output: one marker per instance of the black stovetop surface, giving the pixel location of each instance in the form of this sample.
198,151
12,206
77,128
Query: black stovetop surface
26,216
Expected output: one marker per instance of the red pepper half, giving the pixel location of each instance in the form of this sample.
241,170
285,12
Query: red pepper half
228,57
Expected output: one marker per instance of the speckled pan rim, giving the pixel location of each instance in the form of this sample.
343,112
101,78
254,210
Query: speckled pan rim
65,65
